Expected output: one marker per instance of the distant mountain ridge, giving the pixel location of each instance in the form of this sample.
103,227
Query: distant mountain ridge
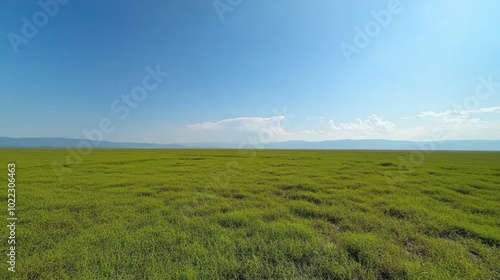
369,144
7,142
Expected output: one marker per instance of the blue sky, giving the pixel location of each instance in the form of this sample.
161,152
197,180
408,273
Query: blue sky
271,70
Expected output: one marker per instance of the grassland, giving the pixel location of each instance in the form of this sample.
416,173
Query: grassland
210,214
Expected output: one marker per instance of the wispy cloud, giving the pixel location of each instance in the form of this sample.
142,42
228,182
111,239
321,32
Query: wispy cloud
454,114
245,124
370,125
482,123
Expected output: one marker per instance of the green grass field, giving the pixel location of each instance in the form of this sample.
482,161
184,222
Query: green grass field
223,214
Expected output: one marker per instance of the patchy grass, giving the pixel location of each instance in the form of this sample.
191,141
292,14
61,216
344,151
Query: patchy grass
223,214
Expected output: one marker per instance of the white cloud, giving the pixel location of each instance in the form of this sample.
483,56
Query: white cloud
479,123
482,123
485,110
315,117
455,114
373,124
245,124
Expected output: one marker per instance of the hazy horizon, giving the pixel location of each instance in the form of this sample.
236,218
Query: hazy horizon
80,145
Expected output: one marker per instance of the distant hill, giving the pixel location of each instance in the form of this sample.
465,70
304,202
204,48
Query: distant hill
370,144
6,142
